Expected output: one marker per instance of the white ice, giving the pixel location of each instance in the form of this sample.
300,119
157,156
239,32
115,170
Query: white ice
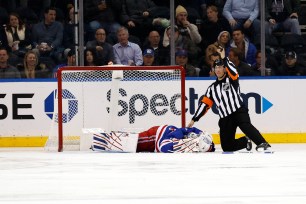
34,176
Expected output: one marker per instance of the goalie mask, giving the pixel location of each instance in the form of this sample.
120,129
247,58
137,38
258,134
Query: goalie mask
205,142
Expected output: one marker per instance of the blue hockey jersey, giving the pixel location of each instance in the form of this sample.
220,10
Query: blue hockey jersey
165,134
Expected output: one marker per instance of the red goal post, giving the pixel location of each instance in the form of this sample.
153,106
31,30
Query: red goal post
133,97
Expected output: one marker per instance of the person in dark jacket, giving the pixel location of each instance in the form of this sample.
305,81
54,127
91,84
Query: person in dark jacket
104,50
100,14
282,15
137,17
292,65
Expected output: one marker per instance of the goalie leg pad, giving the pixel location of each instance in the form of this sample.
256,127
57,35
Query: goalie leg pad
115,141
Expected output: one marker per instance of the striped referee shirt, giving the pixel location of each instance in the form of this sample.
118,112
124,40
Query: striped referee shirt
224,93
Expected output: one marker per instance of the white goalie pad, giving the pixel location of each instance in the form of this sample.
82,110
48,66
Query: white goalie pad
115,141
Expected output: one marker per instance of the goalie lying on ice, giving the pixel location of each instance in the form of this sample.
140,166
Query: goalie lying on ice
165,139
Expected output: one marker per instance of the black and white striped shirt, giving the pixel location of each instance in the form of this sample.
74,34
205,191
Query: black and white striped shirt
224,93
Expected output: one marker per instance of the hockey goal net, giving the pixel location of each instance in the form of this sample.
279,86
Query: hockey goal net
114,98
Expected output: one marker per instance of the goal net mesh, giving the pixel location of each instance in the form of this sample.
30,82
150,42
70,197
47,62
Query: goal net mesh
114,99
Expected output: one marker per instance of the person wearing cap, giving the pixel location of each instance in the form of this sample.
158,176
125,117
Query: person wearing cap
292,65
220,45
185,27
181,58
148,57
225,93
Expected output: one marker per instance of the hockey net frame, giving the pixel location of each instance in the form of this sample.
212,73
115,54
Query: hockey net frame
109,68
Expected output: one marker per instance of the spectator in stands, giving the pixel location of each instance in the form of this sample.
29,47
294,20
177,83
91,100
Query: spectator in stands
208,52
181,59
243,14
126,53
69,29
246,47
282,15
36,5
90,58
104,50
100,14
185,27
235,55
181,42
7,70
292,65
31,69
71,61
28,15
47,36
71,58
148,57
17,34
206,64
137,17
155,43
212,26
194,8
271,65
153,40
220,45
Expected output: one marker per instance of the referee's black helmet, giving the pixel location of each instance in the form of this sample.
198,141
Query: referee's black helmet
218,62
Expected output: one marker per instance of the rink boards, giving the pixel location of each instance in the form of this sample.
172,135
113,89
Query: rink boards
276,106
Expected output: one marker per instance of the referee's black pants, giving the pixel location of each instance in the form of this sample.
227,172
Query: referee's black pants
228,126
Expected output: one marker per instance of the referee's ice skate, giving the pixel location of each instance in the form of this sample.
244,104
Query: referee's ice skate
264,147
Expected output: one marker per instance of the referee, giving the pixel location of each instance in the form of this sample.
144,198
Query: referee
225,92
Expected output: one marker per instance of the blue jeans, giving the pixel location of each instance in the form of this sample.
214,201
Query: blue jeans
290,24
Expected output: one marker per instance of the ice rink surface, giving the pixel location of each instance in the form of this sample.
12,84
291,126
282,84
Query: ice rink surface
34,176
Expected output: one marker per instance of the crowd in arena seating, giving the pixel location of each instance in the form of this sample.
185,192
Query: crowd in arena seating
37,37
